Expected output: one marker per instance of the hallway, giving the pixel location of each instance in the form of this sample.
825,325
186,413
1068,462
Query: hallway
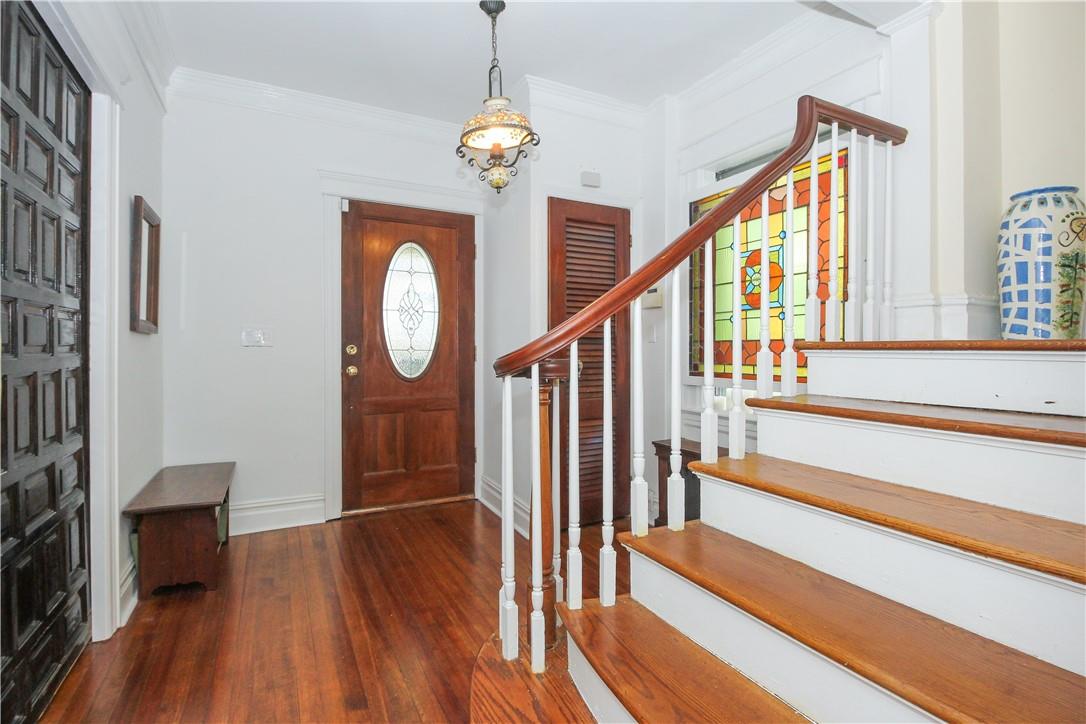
369,618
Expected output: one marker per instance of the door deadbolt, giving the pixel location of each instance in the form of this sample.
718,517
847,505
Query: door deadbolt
351,370
351,349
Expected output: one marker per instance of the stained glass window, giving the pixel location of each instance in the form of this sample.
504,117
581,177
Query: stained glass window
750,250
410,310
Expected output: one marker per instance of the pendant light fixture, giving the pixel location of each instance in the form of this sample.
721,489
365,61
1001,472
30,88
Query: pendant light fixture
495,139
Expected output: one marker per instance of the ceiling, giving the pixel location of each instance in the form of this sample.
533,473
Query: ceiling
431,58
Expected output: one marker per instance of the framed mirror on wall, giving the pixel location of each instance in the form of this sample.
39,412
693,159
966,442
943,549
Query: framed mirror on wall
146,235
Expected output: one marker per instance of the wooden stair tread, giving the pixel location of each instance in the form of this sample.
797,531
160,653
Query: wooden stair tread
658,674
1044,544
953,345
1030,426
952,673
508,691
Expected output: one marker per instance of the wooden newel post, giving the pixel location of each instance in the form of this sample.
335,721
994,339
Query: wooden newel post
551,374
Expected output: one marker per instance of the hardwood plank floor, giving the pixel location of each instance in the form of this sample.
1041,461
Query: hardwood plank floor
370,618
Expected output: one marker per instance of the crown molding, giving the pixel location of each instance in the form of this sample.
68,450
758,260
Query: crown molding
578,101
929,9
239,92
145,29
799,35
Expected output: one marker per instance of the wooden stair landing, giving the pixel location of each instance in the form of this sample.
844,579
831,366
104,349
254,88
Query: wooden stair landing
659,675
1029,426
952,673
508,691
1043,544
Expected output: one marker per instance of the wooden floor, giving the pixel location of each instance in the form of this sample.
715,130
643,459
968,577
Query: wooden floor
370,618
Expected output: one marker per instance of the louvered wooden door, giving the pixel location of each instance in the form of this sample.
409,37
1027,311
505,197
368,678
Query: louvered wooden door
44,613
589,253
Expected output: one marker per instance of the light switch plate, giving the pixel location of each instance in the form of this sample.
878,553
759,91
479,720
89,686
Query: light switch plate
256,337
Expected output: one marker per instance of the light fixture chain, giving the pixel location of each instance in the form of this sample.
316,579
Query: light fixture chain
494,39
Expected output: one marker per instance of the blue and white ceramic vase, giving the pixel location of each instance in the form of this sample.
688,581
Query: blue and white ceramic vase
1041,265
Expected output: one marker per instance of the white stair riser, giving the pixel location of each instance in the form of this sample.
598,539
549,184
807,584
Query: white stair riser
601,701
1042,615
1048,480
1049,382
809,682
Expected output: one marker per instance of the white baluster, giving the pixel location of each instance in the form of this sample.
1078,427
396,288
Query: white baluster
639,489
871,321
537,631
812,311
676,486
573,555
709,442
509,619
737,416
852,209
789,363
608,558
765,354
556,489
833,302
886,321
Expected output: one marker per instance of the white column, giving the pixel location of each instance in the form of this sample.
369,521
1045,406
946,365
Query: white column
537,631
509,618
765,355
833,301
556,489
608,558
871,322
789,362
639,489
812,310
709,427
886,317
573,555
852,209
737,416
676,486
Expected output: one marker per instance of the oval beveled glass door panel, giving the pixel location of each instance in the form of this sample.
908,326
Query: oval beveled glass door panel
410,310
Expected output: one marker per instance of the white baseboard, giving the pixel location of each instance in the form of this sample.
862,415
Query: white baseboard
274,513
490,495
129,593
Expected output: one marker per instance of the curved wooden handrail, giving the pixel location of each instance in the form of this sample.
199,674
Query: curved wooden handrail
811,111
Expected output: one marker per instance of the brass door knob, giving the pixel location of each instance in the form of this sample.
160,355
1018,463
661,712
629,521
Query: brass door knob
351,349
351,370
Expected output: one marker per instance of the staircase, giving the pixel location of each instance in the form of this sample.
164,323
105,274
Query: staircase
853,598
907,543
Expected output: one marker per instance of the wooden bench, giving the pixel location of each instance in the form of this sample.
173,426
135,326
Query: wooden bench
182,516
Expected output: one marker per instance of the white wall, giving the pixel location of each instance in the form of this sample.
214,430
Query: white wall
580,131
120,47
992,73
244,246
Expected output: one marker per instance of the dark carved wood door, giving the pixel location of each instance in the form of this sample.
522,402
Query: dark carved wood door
408,355
589,253
45,619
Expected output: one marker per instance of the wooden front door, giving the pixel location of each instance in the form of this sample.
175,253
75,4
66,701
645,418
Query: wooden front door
408,355
44,149
589,253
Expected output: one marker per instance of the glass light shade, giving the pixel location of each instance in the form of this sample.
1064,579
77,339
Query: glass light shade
498,124
498,177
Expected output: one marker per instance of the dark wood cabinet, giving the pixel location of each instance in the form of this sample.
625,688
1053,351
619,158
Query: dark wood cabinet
44,154
691,450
